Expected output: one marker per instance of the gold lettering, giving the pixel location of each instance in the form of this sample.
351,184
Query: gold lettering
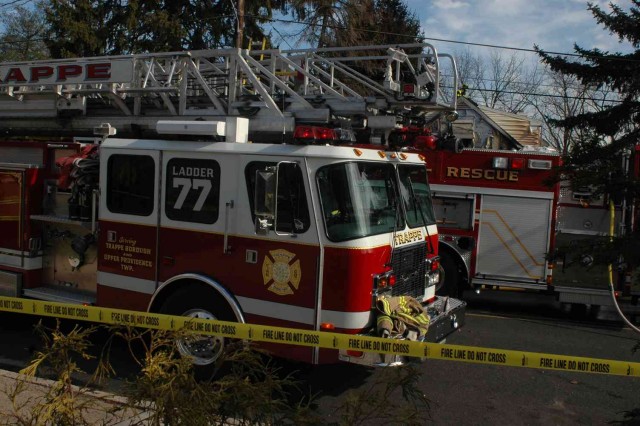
469,173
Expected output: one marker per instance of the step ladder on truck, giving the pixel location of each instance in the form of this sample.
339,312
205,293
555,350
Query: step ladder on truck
243,186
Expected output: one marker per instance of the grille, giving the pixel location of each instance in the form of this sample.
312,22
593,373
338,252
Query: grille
409,267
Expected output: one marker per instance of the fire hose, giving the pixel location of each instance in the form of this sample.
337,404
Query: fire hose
612,215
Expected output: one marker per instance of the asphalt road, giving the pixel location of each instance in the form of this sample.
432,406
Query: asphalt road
468,394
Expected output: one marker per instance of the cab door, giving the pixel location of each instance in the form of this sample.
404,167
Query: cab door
208,233
208,227
281,255
197,211
128,216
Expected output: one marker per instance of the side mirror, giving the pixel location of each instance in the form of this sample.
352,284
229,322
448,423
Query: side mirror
270,216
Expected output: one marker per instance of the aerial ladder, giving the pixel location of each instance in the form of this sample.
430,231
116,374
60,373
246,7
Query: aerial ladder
365,86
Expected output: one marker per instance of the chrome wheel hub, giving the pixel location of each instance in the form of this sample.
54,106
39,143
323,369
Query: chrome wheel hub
203,350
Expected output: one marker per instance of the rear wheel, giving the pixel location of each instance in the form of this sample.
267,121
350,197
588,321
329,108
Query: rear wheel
205,351
578,310
451,285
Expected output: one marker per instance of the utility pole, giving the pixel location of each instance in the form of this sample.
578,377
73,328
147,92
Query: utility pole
240,29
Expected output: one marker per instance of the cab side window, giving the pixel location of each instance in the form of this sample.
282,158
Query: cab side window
130,184
293,211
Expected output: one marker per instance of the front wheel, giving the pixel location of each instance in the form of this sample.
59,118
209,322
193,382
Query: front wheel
205,351
451,285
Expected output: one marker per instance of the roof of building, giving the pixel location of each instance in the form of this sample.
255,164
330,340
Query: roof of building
518,129
523,129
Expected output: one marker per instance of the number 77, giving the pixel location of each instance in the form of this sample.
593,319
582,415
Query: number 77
186,185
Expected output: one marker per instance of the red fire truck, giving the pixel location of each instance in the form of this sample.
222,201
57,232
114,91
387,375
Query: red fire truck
504,223
304,228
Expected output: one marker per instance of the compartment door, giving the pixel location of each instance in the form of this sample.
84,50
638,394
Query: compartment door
11,209
513,238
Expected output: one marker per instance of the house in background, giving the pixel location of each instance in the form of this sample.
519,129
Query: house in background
482,127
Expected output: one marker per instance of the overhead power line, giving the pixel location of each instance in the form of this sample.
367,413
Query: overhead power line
543,95
15,3
364,30
525,84
26,40
423,38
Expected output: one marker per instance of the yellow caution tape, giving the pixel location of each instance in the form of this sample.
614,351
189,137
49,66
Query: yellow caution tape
262,333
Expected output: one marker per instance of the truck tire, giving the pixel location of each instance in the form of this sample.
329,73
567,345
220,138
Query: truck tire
206,352
451,285
579,310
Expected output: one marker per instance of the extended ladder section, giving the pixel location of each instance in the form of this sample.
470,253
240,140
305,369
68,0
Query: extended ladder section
276,89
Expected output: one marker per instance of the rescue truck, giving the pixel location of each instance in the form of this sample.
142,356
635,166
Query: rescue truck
224,184
505,222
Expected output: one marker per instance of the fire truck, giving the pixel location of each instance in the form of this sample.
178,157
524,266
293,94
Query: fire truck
225,184
504,222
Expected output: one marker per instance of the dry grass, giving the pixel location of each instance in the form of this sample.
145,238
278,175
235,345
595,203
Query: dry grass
251,389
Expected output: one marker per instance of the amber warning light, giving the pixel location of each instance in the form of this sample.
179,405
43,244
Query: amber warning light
385,280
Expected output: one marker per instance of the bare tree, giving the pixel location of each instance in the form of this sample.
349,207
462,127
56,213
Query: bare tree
564,96
470,71
508,82
499,81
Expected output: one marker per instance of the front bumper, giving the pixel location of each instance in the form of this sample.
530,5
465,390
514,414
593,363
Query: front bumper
446,316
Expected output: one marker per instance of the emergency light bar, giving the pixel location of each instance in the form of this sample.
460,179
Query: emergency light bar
506,163
519,163
314,135
311,135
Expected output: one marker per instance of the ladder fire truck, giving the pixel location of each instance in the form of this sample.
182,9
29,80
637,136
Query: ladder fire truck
504,223
250,187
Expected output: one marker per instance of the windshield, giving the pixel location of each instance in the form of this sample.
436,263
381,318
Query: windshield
359,199
416,195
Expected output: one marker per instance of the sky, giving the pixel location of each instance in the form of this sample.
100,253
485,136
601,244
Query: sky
553,25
